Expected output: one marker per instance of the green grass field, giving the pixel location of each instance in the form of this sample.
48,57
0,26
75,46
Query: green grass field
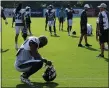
76,67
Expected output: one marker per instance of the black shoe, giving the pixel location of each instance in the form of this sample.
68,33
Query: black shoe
100,55
88,45
80,45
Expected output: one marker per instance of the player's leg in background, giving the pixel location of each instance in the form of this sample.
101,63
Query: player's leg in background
50,27
81,36
13,20
59,23
24,33
46,22
80,40
62,23
54,27
101,46
29,28
68,27
17,28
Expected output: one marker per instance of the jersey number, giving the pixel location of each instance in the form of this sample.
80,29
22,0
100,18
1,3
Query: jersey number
18,16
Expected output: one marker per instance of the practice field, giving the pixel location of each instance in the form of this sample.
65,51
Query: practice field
75,66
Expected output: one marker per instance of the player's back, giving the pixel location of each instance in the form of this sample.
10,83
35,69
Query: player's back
26,46
51,15
69,13
19,16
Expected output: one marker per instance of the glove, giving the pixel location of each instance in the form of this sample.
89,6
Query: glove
49,63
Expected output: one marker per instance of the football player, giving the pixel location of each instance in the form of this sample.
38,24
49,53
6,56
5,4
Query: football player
69,12
51,19
61,17
28,59
19,23
103,29
46,18
28,19
83,24
4,18
13,18
3,15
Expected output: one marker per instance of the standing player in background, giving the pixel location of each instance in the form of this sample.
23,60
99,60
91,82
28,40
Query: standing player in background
13,18
69,12
61,17
46,19
19,23
83,24
103,24
28,19
3,15
51,19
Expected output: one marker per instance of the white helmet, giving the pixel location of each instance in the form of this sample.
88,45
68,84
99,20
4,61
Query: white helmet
103,5
86,6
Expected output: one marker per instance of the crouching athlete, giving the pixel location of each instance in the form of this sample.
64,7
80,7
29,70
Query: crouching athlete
28,60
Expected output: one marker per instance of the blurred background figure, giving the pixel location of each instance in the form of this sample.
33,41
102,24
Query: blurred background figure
28,19
51,19
83,24
69,12
61,18
103,30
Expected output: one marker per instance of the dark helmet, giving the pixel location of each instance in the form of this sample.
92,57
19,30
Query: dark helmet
50,7
19,7
49,74
43,41
68,5
74,32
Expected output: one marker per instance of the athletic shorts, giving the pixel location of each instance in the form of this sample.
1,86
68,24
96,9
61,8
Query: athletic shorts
51,23
69,21
61,20
104,37
83,28
18,28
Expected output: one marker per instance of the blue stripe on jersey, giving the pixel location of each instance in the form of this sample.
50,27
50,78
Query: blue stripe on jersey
19,24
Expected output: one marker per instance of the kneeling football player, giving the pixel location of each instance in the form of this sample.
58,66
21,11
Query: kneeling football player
28,59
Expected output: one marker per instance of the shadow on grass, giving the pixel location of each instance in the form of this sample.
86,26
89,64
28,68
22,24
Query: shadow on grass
55,36
90,48
106,59
39,85
74,36
3,51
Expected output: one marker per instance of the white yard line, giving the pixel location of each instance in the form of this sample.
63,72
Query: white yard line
59,79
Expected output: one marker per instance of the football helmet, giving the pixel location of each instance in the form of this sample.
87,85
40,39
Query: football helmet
49,74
